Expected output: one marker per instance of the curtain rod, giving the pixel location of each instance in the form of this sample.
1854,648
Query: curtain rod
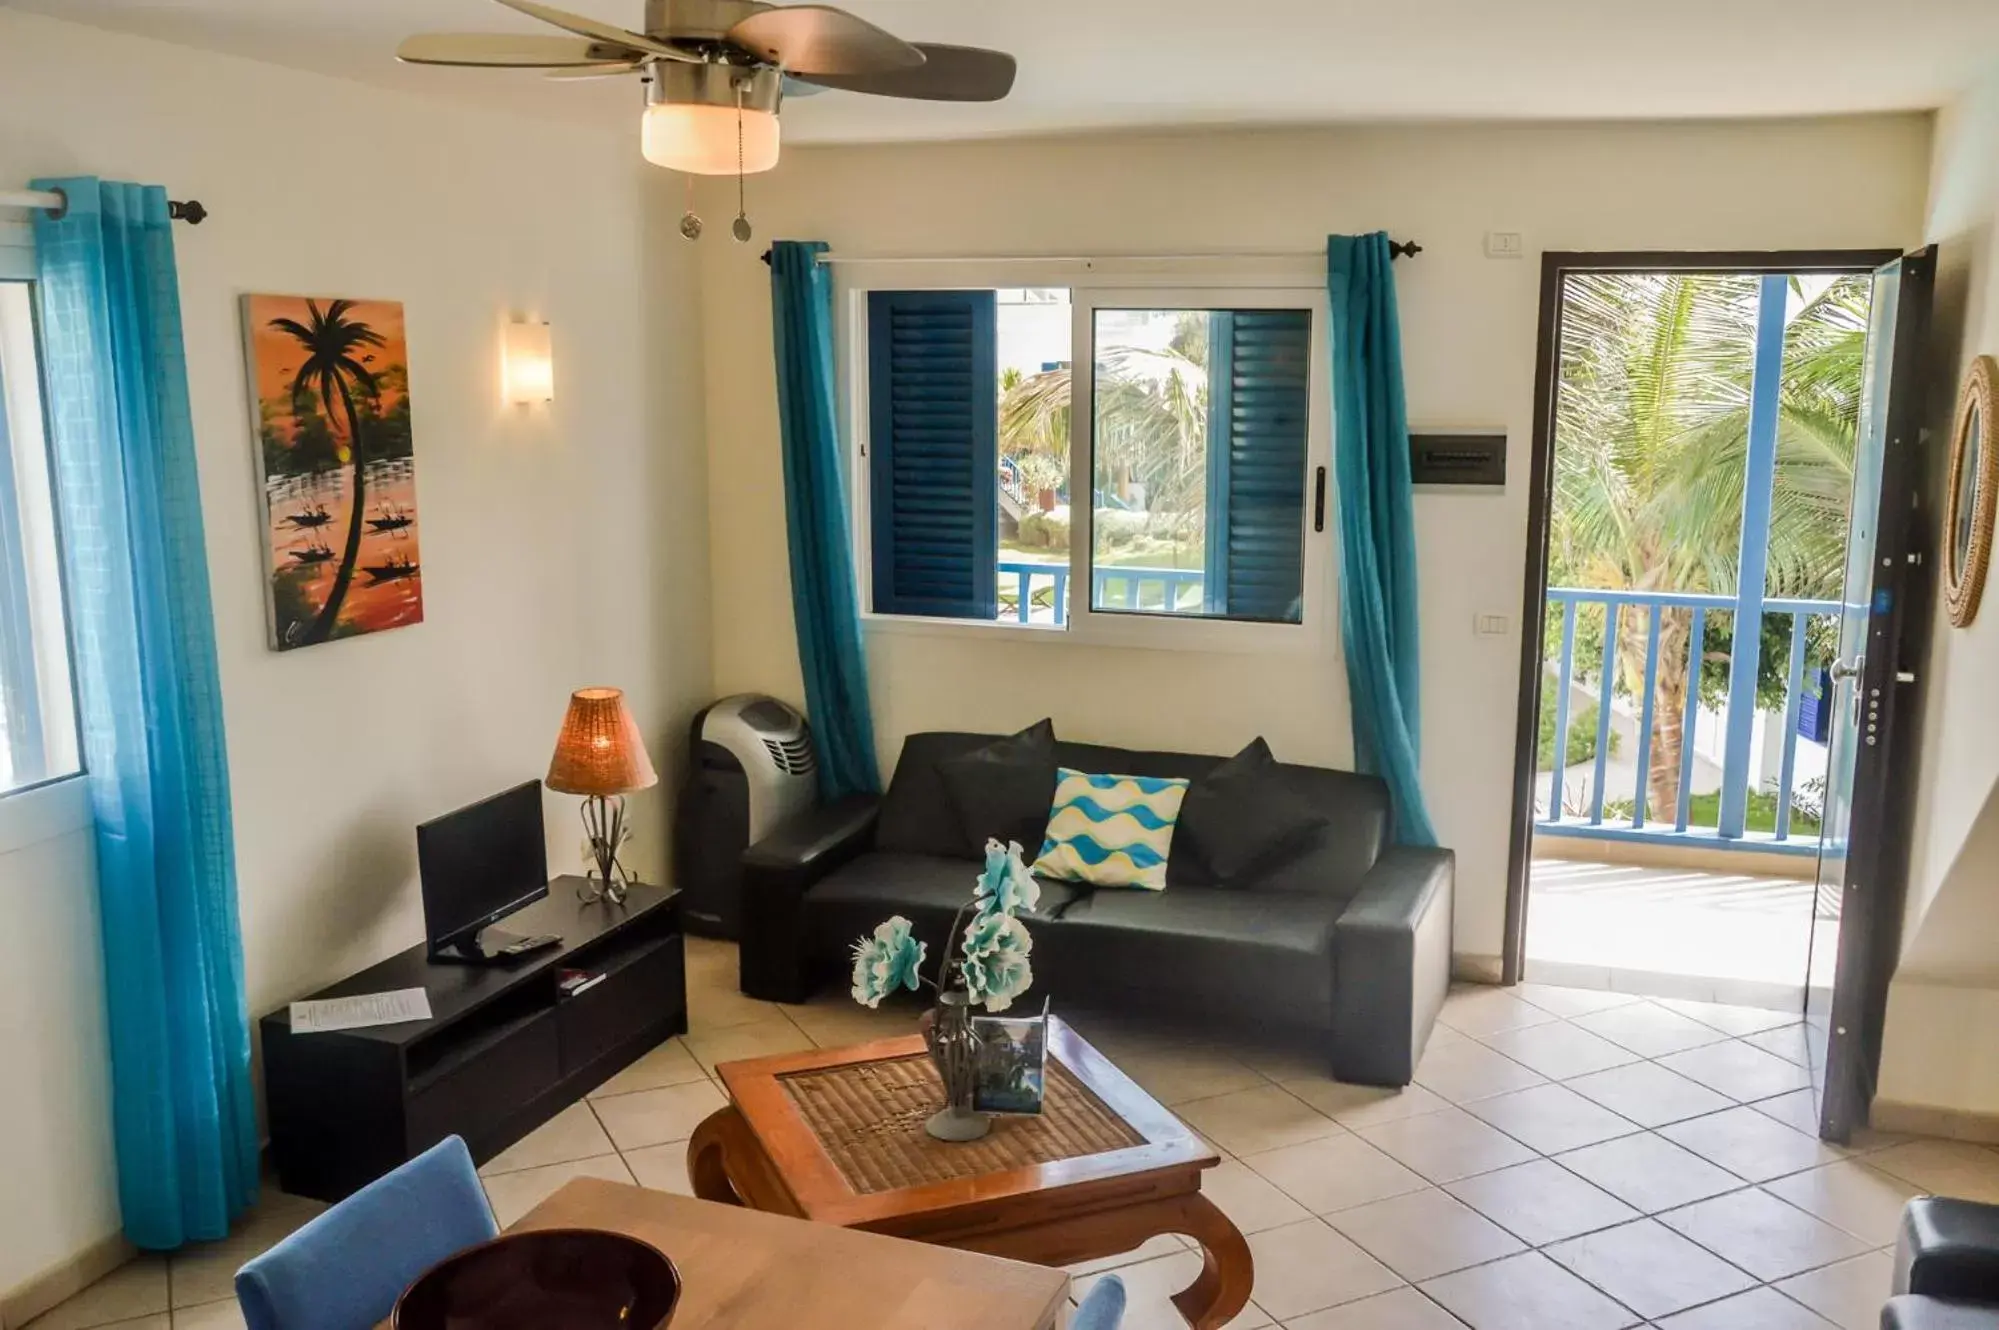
56,204
1397,249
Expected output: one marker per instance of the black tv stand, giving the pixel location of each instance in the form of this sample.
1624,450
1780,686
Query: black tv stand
503,1052
493,946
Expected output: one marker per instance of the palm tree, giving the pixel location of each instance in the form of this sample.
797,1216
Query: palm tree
330,369
1151,416
1651,449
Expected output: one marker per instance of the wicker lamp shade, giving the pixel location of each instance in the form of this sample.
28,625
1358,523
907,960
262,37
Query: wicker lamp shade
599,750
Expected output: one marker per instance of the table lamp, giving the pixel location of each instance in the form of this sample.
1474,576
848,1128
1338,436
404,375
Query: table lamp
600,756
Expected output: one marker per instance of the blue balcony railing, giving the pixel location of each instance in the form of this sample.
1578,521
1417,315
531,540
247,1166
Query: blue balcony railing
1039,592
1565,605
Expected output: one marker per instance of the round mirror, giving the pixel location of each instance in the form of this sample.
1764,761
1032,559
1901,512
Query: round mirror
1974,487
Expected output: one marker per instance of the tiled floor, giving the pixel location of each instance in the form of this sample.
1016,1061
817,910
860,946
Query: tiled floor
1567,1160
1674,932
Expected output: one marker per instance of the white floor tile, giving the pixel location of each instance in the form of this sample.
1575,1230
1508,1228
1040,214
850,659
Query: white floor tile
1649,1172
1650,1030
1446,1145
1251,1121
1425,1234
1750,1144
1848,1294
1468,1070
1541,1202
1741,1071
1765,1236
1305,1267
1648,1094
1334,1173
1551,1118
1650,1269
1526,1292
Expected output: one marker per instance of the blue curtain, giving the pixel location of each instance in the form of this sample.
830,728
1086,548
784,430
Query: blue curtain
1377,538
823,603
151,712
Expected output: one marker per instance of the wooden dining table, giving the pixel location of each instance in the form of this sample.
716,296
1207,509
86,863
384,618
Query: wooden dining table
747,1270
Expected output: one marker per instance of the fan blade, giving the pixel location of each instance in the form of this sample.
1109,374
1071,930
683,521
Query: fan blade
819,39
501,51
603,32
596,72
800,88
947,74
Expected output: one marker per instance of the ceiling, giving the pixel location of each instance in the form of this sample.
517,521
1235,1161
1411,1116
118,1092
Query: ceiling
1103,64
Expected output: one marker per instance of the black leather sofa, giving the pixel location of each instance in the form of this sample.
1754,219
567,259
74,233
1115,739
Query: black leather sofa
1946,1267
1347,942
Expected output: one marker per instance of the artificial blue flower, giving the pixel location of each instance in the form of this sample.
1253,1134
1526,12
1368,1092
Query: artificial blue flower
1006,887
890,959
995,967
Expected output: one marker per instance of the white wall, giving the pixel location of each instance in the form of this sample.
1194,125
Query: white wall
55,1113
1468,332
1948,981
562,546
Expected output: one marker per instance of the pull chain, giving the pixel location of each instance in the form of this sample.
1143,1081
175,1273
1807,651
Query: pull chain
690,221
741,227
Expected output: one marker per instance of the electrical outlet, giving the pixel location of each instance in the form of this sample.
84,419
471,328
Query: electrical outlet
1503,245
1489,625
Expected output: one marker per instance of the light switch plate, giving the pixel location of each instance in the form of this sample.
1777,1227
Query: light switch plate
1503,245
1490,625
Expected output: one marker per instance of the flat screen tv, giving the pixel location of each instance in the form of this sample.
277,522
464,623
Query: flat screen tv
479,865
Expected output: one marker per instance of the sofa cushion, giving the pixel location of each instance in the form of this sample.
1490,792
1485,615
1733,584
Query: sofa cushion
1111,831
1203,951
926,889
1244,817
917,815
1002,790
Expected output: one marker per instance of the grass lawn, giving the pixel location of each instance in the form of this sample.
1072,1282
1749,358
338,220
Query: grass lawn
1704,810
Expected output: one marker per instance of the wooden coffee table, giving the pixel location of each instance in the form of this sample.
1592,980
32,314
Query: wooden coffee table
836,1135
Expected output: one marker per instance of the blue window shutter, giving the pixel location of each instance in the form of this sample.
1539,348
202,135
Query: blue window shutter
933,409
1259,402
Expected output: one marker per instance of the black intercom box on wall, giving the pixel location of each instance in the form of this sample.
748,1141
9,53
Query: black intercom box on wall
1457,459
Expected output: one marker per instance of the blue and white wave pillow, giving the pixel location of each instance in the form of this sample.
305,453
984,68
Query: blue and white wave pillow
1110,831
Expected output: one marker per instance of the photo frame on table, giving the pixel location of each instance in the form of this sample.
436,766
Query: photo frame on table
1011,1063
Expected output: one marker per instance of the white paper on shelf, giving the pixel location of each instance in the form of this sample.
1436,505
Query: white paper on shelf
363,1009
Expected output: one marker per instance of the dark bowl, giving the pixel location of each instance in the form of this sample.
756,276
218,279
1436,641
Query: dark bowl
545,1279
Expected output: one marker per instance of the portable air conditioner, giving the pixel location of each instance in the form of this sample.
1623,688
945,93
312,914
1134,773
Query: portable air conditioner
752,767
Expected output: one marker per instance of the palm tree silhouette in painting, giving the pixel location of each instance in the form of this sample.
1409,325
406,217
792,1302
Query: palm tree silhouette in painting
332,371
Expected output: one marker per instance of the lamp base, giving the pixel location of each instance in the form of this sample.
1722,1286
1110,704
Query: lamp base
604,831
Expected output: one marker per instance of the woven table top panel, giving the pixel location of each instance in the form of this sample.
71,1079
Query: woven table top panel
869,1118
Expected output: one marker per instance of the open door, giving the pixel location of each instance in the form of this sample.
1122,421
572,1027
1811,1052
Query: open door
1884,628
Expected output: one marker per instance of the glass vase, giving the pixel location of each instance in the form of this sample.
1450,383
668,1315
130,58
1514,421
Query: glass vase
954,1050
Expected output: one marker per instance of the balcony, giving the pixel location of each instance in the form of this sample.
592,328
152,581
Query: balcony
1589,800
1031,592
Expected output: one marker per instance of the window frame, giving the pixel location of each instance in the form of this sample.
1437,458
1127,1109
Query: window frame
1094,285
58,804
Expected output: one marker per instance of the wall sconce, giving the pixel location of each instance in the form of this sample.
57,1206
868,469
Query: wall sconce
527,365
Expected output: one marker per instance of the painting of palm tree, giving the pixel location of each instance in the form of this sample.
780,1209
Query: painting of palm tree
337,466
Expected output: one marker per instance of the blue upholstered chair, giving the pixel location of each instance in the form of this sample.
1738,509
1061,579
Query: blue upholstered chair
1102,1309
345,1269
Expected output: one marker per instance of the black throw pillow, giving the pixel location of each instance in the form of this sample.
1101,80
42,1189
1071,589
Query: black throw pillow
1004,789
1243,818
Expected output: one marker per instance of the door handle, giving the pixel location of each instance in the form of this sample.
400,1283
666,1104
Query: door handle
1842,670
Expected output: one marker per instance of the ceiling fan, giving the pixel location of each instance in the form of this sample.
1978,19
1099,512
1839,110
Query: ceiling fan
716,71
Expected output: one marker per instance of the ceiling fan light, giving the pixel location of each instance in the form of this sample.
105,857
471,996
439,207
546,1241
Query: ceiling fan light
702,140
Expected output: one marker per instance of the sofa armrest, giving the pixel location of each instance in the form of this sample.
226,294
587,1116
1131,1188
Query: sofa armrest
1392,965
778,871
1948,1249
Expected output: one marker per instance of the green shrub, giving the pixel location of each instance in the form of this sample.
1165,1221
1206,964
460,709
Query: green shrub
1582,736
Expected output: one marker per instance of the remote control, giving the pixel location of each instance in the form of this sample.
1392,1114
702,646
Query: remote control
528,944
